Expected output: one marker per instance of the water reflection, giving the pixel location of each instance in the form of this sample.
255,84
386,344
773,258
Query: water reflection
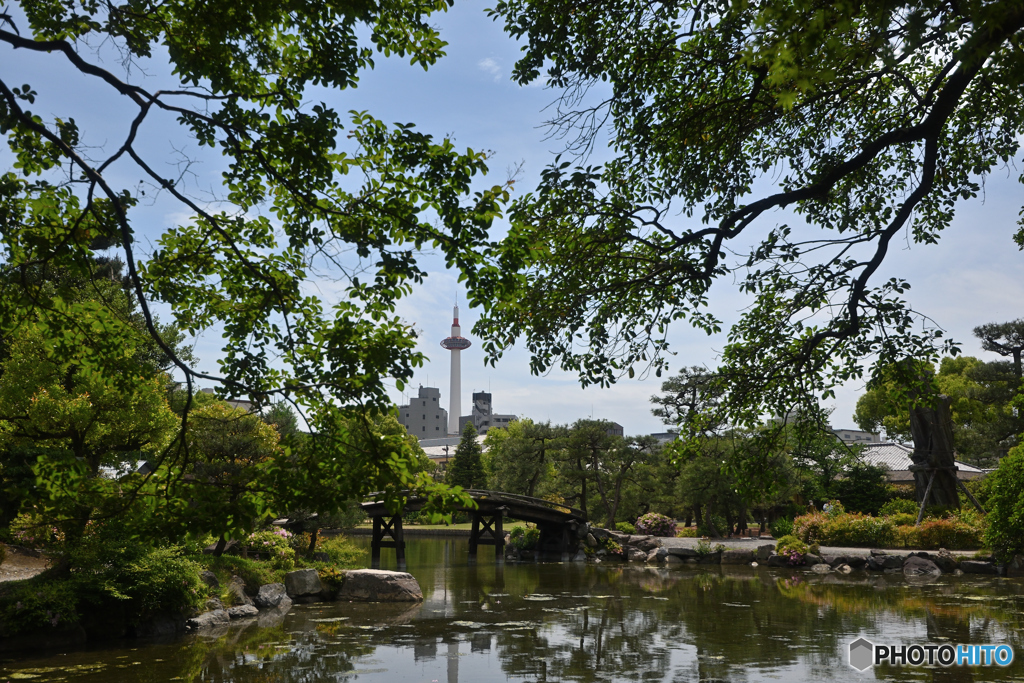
550,622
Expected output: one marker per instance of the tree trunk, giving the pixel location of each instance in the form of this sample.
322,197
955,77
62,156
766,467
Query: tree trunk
221,543
312,541
932,429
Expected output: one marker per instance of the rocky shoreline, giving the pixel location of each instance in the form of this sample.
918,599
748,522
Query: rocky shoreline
604,545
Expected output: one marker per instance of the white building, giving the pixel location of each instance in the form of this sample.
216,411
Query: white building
424,417
856,436
482,416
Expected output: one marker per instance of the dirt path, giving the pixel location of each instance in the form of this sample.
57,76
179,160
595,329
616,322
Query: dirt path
18,566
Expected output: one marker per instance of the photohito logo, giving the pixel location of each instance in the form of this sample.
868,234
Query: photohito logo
864,653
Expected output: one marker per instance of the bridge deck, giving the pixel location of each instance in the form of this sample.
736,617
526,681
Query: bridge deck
525,508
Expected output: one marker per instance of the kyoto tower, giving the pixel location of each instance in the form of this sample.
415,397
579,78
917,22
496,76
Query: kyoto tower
455,343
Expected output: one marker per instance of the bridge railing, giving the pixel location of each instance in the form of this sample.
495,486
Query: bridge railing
498,495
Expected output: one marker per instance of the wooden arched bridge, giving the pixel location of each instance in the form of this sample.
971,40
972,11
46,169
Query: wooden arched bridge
558,524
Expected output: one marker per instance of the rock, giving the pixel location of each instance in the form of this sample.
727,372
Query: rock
673,560
778,561
682,552
652,557
810,559
230,548
618,537
1015,567
302,582
580,556
591,541
883,562
599,533
636,555
649,544
272,595
821,568
945,560
853,561
737,556
753,564
843,569
878,552
976,567
916,565
236,586
764,551
377,585
214,604
242,611
958,572
710,558
208,620
210,579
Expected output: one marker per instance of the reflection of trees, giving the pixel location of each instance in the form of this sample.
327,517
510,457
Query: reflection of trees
726,620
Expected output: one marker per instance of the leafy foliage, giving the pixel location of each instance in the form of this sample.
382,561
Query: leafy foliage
522,538
625,527
863,489
467,468
865,121
1005,534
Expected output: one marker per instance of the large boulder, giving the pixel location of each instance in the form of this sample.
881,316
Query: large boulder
883,562
208,620
764,551
378,585
599,533
682,553
302,583
644,542
778,561
977,567
915,565
635,555
945,560
242,611
273,595
236,587
737,557
210,579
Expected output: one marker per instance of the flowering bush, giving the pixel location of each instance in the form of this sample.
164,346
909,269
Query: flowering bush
653,524
273,545
846,529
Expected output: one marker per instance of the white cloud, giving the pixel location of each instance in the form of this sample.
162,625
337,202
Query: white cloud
491,67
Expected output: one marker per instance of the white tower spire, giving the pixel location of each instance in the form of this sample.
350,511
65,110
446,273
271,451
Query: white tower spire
455,343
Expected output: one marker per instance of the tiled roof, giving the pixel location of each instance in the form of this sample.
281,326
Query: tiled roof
897,458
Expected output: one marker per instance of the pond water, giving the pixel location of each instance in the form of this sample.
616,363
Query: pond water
568,622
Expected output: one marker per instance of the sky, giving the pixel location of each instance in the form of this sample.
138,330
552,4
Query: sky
972,276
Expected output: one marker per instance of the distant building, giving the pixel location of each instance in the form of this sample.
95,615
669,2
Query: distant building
482,416
615,429
856,436
896,457
424,417
440,451
665,437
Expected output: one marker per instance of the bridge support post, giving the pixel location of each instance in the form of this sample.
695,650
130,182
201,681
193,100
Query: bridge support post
387,529
487,530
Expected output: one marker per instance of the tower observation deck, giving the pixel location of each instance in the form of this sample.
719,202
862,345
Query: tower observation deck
455,343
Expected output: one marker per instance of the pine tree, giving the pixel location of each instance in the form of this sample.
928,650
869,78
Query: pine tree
467,469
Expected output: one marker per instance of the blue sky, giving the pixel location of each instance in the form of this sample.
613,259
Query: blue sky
972,276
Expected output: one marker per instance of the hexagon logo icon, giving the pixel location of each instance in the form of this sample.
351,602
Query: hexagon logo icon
861,654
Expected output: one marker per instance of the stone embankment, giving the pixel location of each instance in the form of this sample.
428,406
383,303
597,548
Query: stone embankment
300,587
604,545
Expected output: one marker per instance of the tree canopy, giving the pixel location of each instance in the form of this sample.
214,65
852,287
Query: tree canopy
865,121
305,192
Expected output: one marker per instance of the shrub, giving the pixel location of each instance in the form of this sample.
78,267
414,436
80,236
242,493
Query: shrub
704,547
273,545
1005,533
522,538
899,506
161,581
850,529
781,527
687,532
625,527
342,551
656,525
253,572
3,553
39,603
903,519
792,548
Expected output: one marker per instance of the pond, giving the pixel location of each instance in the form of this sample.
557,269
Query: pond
576,622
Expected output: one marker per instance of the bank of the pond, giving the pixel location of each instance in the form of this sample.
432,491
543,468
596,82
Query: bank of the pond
490,622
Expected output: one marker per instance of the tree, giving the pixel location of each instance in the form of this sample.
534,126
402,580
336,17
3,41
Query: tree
1006,339
867,122
981,396
467,469
1005,532
304,190
521,455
